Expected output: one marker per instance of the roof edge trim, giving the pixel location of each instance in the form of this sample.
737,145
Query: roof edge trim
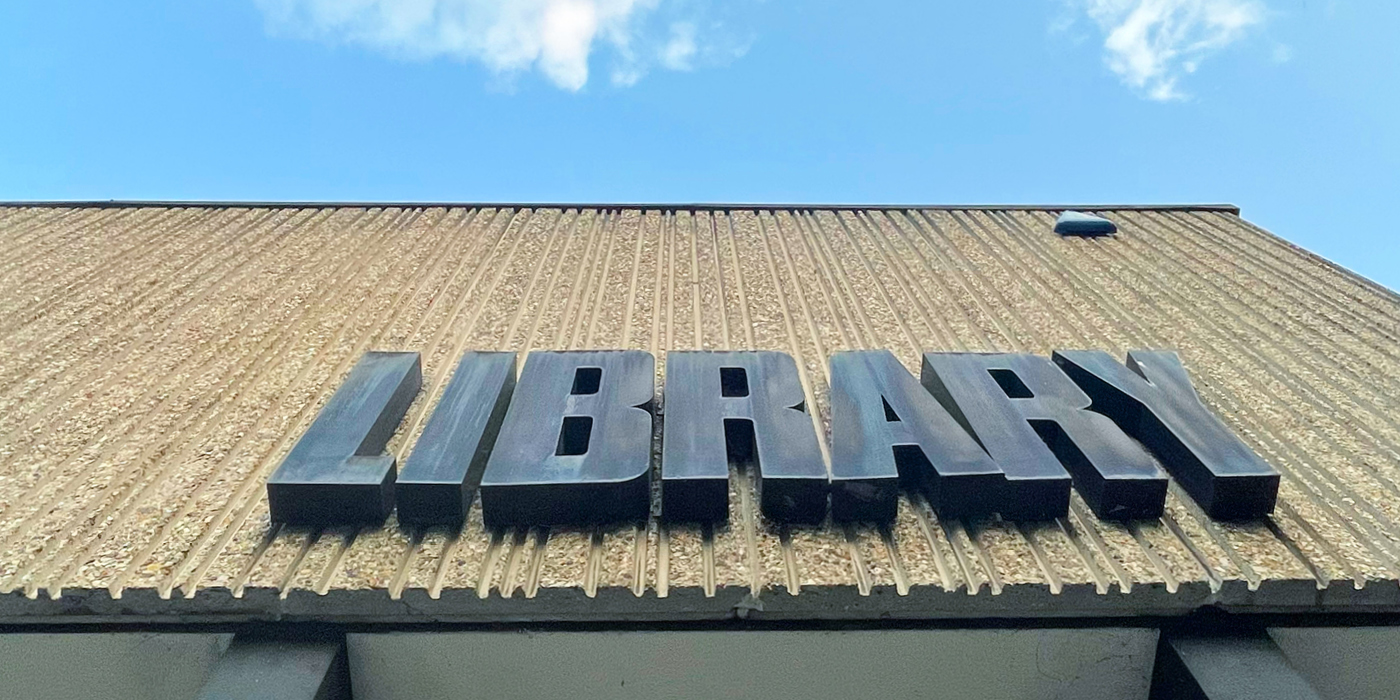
701,206
1327,263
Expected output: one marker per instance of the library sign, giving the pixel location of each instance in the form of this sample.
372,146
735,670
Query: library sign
570,442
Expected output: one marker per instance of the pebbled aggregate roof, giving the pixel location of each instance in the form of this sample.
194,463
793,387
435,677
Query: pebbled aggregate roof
158,360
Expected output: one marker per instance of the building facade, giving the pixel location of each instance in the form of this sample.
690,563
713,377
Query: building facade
160,361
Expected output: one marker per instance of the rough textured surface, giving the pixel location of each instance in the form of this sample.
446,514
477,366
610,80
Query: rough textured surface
157,362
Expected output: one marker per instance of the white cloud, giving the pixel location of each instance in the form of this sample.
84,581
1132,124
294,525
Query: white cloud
1152,44
679,52
556,37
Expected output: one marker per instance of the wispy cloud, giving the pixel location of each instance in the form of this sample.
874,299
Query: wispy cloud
1152,44
559,38
680,49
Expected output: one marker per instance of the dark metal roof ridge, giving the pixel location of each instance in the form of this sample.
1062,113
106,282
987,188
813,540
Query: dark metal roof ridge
699,206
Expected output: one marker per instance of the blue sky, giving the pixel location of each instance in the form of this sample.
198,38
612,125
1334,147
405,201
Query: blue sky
1289,108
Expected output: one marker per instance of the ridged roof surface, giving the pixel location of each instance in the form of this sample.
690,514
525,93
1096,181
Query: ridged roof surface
156,362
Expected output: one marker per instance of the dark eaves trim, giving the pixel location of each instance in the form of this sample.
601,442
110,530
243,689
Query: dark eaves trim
697,206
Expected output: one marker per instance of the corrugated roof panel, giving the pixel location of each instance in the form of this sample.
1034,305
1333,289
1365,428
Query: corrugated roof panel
156,363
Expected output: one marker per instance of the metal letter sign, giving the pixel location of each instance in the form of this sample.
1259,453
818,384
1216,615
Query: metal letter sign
571,441
885,428
338,472
742,407
440,476
575,446
1031,419
1153,400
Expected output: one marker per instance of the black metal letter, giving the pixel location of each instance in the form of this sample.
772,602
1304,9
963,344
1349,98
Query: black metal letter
575,447
740,407
1033,421
1153,400
438,480
338,472
886,428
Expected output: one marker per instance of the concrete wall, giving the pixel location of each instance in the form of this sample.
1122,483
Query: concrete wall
1350,663
109,666
1111,664
1345,663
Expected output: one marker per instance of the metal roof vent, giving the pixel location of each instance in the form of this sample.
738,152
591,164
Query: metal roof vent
1077,223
